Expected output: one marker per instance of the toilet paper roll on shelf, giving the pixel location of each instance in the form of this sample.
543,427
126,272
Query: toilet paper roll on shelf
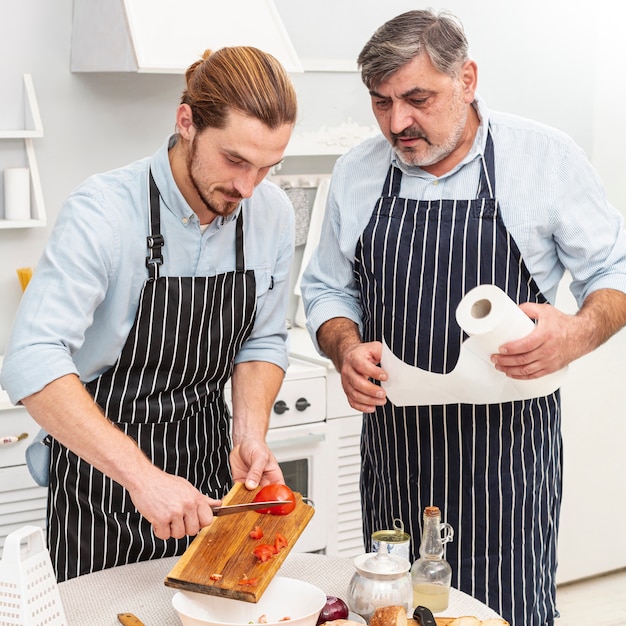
17,193
490,318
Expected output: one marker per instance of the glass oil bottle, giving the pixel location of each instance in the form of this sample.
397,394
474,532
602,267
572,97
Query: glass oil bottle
431,574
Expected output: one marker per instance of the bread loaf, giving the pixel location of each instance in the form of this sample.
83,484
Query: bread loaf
389,616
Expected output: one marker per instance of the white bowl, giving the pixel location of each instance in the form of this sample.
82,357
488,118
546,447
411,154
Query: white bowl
284,597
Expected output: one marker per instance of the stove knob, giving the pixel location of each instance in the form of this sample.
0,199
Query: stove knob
302,404
280,407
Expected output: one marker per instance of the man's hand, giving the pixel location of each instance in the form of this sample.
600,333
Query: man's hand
173,506
356,361
548,348
252,462
359,364
559,338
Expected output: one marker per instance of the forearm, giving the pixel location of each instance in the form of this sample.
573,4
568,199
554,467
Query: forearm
255,385
602,314
66,410
336,337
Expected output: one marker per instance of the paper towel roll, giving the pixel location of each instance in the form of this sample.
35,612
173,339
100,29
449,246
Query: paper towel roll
487,314
17,193
490,318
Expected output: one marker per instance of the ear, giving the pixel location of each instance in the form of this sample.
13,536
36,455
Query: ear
184,121
469,79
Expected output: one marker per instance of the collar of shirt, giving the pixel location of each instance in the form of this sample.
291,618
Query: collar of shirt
476,151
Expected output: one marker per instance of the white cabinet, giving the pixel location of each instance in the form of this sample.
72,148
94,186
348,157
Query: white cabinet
22,502
37,209
345,528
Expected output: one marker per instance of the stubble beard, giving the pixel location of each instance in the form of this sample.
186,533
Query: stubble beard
432,153
223,209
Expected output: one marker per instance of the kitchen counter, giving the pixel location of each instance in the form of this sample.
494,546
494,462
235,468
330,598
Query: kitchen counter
97,598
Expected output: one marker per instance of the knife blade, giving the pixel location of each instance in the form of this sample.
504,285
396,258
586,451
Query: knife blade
128,619
248,506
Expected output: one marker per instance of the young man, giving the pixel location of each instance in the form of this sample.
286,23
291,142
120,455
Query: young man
160,281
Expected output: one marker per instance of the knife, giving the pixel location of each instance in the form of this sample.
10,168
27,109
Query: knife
128,619
248,506
424,616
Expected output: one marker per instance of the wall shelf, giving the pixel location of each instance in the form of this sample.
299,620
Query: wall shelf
37,209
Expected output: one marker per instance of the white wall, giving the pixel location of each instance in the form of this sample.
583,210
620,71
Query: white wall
557,61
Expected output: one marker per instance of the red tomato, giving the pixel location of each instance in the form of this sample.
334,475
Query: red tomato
264,552
248,581
280,542
276,492
257,533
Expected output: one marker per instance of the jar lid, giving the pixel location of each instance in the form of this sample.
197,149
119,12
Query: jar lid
381,563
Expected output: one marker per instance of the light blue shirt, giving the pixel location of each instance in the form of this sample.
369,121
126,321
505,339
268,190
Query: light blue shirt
80,305
551,200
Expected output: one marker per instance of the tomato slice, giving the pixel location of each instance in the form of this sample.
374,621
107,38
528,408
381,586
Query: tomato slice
264,552
248,581
257,533
276,492
280,542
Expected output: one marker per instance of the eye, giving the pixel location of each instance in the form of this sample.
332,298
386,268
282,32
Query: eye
382,104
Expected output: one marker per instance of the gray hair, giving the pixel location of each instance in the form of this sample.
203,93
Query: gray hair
401,39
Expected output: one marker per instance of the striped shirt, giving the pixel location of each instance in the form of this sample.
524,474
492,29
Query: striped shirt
551,200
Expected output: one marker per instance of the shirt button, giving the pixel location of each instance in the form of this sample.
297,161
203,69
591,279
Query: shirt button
435,183
185,220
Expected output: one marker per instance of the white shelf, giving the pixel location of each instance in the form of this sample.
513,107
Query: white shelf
37,209
329,141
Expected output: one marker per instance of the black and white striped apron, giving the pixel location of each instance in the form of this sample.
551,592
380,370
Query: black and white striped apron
494,470
166,392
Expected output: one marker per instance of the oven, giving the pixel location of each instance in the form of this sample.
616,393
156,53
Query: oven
298,437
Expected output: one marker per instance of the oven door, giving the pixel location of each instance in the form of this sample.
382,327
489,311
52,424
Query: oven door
304,454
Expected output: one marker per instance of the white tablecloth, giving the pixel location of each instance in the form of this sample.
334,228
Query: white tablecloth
96,599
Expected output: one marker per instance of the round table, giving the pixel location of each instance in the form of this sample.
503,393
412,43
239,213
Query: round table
139,588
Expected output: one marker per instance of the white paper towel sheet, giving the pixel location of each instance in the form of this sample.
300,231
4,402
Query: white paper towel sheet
491,319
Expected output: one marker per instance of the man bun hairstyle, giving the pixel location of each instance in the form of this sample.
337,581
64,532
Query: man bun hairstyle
242,78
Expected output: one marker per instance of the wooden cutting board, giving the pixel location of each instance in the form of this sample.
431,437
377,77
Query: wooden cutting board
225,547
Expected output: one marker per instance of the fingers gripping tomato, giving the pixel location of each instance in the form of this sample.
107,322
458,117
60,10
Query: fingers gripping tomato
276,492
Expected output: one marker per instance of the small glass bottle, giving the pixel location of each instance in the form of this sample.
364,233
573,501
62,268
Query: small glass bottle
431,574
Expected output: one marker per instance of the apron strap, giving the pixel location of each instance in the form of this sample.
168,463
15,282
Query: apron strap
392,182
487,187
240,262
155,240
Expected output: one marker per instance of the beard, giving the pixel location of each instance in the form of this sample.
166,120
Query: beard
431,153
211,197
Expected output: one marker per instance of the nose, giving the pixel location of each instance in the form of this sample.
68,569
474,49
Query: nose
400,117
245,183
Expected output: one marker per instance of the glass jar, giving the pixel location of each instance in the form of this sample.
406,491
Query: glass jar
381,579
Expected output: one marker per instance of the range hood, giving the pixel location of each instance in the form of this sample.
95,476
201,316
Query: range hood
166,36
